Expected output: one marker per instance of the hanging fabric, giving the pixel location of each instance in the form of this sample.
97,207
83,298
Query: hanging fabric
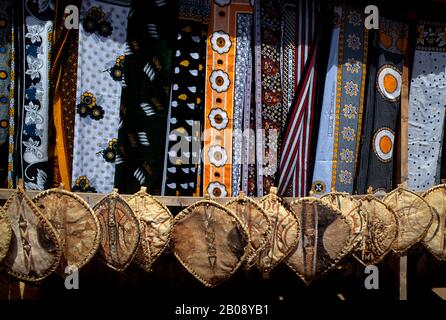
427,103
63,86
34,105
342,106
268,93
11,104
242,99
101,56
145,98
6,13
382,107
186,109
220,93
299,66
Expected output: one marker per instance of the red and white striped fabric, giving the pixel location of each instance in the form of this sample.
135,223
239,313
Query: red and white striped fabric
294,162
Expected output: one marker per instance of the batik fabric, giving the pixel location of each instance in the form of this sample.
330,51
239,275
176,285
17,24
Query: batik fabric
268,93
145,98
34,95
299,66
63,85
101,55
342,106
186,110
220,94
382,108
6,14
427,101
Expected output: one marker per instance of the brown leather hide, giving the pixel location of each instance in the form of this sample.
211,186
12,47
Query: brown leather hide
209,241
284,237
120,231
5,234
350,209
76,225
435,238
325,238
156,223
414,217
380,232
256,223
35,250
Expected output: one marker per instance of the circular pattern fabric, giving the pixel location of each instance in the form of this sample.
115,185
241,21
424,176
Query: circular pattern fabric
221,42
217,190
383,142
389,82
219,81
217,156
218,118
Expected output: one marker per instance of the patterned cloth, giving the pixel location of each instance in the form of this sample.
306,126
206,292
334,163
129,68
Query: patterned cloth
34,105
269,111
6,13
220,94
242,102
299,72
63,82
102,49
186,111
427,103
382,107
340,124
145,98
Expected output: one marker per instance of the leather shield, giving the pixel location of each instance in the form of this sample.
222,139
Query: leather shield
156,223
414,216
380,232
435,238
256,222
285,235
120,231
350,209
5,234
76,225
209,241
34,252
325,238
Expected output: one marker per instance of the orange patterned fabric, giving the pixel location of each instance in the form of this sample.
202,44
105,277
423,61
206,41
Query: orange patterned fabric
219,104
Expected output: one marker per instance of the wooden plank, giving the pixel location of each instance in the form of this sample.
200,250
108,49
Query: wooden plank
403,160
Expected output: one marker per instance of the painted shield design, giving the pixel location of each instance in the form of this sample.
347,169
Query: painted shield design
209,241
156,223
35,249
119,229
435,239
76,225
256,222
380,232
414,217
350,209
285,235
325,238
